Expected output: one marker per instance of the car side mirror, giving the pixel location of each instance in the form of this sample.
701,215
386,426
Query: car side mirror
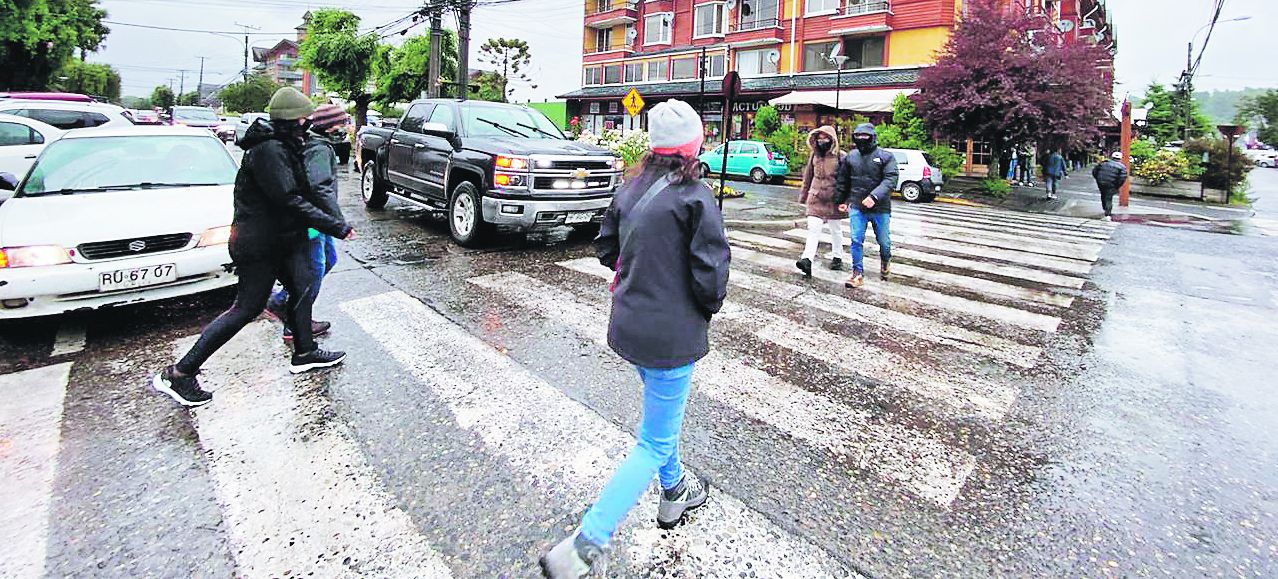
437,129
8,182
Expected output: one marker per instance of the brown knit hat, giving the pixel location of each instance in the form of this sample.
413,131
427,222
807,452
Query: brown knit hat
328,116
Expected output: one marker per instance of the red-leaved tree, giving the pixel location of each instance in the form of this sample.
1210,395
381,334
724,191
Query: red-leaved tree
1009,77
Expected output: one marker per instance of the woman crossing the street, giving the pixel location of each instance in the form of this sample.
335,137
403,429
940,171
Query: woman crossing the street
664,238
818,196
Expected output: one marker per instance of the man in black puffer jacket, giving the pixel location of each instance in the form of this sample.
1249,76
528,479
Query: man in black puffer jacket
1110,176
274,206
866,178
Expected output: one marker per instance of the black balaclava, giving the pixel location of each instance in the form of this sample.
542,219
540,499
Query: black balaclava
864,142
824,145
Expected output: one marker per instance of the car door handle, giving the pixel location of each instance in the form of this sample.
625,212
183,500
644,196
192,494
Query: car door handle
394,141
29,157
418,146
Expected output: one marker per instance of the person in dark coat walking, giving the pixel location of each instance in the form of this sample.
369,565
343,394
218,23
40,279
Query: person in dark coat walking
867,176
819,177
1053,172
1110,176
274,206
663,235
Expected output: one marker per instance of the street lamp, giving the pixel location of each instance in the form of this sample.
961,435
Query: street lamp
838,60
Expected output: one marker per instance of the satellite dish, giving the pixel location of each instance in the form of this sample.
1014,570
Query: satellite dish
838,49
1065,25
730,4
632,34
774,56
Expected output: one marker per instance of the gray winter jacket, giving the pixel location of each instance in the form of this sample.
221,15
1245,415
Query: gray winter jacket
1110,175
672,272
872,174
321,171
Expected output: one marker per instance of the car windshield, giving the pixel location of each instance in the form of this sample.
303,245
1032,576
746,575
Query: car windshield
195,114
98,164
489,121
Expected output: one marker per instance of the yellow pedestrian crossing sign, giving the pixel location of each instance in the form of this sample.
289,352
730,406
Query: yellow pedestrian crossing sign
633,102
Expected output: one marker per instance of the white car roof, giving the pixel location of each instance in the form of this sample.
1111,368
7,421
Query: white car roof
44,129
139,131
60,105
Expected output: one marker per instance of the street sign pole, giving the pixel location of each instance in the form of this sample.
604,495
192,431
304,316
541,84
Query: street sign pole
731,86
1125,143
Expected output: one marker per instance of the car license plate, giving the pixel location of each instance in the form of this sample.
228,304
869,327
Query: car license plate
580,217
122,279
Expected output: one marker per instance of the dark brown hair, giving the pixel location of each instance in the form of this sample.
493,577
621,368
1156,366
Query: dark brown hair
684,168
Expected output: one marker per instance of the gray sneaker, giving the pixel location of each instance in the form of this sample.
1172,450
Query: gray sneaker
670,511
573,558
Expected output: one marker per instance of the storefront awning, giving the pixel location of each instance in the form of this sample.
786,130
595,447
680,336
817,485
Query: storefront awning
859,100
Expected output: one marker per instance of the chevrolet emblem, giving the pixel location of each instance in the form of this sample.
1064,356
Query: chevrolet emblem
580,174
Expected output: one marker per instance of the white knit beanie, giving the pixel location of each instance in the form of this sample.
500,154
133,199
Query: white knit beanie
675,128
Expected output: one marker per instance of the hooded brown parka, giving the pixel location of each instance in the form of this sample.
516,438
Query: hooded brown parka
819,178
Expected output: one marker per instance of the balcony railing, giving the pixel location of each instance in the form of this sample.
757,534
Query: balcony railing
854,7
755,24
601,6
598,48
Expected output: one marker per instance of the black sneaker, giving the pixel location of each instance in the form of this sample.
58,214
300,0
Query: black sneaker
317,329
805,266
278,313
183,389
314,360
836,263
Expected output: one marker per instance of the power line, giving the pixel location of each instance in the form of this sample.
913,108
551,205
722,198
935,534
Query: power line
194,30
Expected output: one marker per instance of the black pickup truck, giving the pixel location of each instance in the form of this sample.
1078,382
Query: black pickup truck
487,166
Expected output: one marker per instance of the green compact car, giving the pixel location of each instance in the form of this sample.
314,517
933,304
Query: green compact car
758,160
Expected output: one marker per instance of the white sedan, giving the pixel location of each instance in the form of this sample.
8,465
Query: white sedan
21,140
114,216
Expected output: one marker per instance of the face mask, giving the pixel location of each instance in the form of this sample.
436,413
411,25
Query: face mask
824,146
863,142
306,126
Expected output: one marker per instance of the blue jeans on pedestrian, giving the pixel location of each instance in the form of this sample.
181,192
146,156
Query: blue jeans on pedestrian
860,221
1011,171
1050,183
656,452
323,257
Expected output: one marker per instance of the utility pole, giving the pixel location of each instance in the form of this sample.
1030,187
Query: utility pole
182,83
246,28
436,45
199,87
463,47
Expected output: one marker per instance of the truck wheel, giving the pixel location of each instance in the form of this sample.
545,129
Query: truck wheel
758,175
372,188
466,216
912,192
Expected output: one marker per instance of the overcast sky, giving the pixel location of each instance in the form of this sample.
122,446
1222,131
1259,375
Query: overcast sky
1152,39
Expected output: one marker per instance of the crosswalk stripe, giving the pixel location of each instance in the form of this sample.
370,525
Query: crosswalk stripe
30,435
1011,271
999,313
568,450
298,499
1057,232
1086,252
928,468
993,347
1012,216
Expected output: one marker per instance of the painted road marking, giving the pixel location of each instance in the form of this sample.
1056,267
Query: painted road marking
1053,232
999,313
1013,216
297,492
1001,239
944,238
926,467
1010,254
30,435
70,338
568,450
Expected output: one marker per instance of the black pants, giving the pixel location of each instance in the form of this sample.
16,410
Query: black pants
257,278
1107,200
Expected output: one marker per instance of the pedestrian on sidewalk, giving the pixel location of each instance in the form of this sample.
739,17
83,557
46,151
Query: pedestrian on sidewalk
866,178
273,208
328,123
1110,175
664,237
819,179
1012,166
1053,172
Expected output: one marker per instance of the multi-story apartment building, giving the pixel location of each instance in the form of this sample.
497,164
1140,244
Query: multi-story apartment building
279,63
781,48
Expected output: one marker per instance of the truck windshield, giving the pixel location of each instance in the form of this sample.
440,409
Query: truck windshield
489,121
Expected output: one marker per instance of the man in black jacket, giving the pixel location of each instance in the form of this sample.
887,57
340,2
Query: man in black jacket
1110,176
866,178
274,207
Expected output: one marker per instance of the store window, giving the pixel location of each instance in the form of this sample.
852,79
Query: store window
863,52
816,56
657,70
756,62
612,74
656,28
707,20
683,68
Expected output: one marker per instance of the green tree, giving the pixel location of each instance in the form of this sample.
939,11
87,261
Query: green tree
190,99
766,121
133,102
906,131
250,96
510,57
81,77
340,57
401,71
38,36
163,97
1261,112
1161,124
488,86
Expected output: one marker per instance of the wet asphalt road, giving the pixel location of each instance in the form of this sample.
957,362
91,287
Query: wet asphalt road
1138,439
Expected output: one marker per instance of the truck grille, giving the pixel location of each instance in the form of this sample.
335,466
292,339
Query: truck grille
587,164
573,176
548,183
134,246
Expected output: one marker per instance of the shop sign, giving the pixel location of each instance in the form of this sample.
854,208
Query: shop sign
753,106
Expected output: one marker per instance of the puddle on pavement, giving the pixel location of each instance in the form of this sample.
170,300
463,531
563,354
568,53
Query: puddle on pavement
1223,226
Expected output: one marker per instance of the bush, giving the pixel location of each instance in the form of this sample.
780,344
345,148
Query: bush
791,143
949,161
1218,151
766,122
631,146
1142,151
996,187
1162,167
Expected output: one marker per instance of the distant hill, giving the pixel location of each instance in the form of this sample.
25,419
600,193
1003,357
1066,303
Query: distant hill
1222,105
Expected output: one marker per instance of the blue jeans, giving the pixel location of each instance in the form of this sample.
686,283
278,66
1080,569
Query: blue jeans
880,221
323,257
665,394
1011,171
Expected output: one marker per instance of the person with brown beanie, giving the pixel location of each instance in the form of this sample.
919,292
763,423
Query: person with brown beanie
274,207
819,178
664,237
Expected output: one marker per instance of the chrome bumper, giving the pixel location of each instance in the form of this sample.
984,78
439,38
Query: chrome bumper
532,214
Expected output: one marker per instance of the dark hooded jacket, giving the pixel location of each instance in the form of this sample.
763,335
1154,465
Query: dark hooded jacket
862,175
820,176
672,273
321,172
1110,175
274,203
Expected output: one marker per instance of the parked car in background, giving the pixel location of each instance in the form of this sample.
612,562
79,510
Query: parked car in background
199,117
145,117
374,119
113,216
757,160
68,115
245,122
47,96
920,180
1263,157
21,140
225,130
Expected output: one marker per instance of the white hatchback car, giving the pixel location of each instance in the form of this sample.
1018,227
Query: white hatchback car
117,216
21,140
919,179
67,115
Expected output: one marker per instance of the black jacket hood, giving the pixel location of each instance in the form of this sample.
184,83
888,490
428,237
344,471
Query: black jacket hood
259,132
868,129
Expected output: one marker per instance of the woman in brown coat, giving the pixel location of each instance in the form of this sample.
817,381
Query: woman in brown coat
818,195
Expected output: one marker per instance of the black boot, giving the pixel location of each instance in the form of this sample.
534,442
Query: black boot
885,269
804,265
836,263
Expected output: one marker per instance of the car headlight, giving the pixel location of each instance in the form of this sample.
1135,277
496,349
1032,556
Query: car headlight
33,256
619,164
216,236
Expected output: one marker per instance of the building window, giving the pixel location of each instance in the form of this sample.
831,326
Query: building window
612,74
756,14
613,107
603,39
816,56
634,72
594,76
656,28
682,68
657,70
594,108
708,20
815,7
716,64
863,52
757,62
